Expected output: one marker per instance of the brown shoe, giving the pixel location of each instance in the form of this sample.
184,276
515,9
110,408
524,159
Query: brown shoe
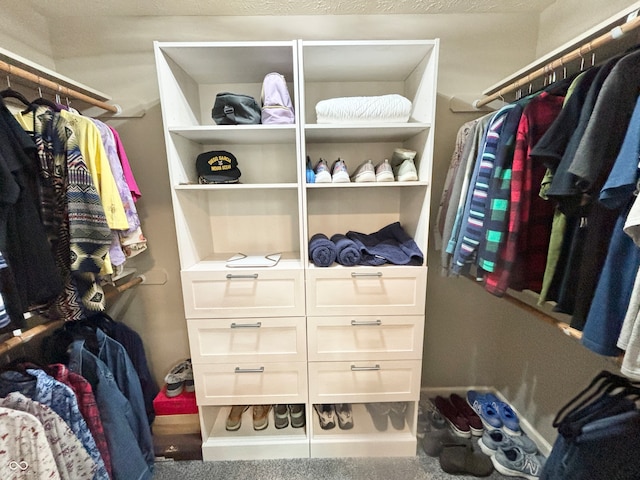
261,416
234,420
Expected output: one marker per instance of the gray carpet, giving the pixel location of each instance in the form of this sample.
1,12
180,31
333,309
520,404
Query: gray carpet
420,467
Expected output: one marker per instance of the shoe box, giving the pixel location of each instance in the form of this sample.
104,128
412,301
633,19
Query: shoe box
176,427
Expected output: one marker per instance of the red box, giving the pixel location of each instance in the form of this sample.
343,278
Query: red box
185,403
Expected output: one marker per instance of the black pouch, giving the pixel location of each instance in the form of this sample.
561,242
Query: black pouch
235,109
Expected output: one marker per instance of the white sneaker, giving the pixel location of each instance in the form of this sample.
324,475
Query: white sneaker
339,172
384,172
407,172
322,173
400,155
364,173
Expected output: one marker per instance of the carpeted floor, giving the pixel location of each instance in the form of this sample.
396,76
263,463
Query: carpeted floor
420,467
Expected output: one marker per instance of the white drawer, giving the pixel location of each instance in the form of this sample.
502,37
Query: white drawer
365,337
367,291
250,384
364,381
224,340
246,293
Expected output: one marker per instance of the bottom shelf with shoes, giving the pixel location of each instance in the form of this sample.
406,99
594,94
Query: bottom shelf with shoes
233,434
372,429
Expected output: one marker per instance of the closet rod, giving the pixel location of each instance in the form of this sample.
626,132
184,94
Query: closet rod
579,52
26,336
114,292
56,87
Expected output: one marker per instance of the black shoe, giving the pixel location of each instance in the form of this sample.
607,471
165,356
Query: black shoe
463,460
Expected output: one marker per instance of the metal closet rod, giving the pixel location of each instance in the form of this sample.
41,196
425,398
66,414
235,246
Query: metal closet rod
561,62
56,87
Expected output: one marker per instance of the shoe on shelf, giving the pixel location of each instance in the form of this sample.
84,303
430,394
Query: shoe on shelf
397,413
475,424
339,172
364,173
464,460
509,418
514,462
384,172
311,175
458,422
296,412
261,416
326,414
407,172
281,416
484,408
345,415
177,376
322,172
494,440
234,419
379,414
400,155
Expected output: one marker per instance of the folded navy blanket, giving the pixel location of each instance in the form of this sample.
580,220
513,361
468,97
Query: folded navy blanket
348,251
390,244
322,251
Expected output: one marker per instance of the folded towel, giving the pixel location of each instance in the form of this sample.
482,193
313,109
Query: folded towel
348,253
389,244
322,251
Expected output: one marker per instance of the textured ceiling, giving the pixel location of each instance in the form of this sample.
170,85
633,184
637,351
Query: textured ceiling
87,8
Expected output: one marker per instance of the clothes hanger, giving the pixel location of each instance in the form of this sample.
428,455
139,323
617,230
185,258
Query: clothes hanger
11,93
33,105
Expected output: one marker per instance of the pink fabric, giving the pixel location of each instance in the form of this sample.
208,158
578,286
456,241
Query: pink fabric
126,168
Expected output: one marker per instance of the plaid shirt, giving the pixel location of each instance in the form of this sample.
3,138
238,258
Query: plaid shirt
522,260
87,406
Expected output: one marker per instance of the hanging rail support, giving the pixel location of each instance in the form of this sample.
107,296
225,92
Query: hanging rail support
615,33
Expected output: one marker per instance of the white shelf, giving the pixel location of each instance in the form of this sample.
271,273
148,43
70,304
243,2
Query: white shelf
367,185
236,186
388,132
237,134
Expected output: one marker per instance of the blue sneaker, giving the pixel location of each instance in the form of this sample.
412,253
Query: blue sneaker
486,411
509,418
494,440
311,175
514,462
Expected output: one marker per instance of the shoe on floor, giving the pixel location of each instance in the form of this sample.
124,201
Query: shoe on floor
281,416
339,172
463,460
509,418
345,415
326,415
494,440
296,412
397,413
458,422
384,172
322,172
437,438
407,172
513,462
475,424
177,376
484,408
234,419
364,173
379,414
261,416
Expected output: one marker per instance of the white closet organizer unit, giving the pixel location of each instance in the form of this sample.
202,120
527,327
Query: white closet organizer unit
294,333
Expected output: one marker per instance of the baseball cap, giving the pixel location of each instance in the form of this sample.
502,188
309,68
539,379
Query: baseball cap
217,166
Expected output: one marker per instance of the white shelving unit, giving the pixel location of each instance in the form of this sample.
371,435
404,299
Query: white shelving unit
296,333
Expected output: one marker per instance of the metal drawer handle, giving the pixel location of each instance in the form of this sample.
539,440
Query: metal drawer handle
231,276
249,370
363,274
354,368
367,323
246,325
